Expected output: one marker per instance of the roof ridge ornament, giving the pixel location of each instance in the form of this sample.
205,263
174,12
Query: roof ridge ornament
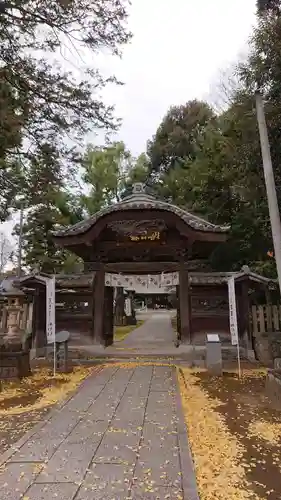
138,188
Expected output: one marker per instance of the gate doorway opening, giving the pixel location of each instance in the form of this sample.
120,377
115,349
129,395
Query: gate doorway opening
143,307
140,236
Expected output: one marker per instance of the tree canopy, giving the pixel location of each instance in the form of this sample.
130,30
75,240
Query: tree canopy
204,160
217,171
179,135
106,172
268,6
44,98
48,102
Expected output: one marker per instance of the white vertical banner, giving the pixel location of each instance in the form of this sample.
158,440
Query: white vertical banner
50,310
128,308
233,325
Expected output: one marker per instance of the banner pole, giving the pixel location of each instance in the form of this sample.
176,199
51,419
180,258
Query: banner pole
54,332
55,354
238,359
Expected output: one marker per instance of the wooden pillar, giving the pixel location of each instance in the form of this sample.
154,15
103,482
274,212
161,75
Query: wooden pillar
267,295
184,302
108,326
98,305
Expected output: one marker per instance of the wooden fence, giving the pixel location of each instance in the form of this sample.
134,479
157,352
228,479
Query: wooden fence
266,319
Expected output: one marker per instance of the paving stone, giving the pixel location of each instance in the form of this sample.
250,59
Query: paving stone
106,482
169,421
137,389
59,426
156,406
119,445
116,390
87,430
104,407
143,492
159,466
69,463
160,385
141,378
130,418
162,410
103,377
151,434
37,449
162,379
162,398
120,379
131,410
142,374
162,372
63,491
83,400
16,478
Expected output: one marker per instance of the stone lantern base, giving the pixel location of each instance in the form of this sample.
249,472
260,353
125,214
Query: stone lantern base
14,360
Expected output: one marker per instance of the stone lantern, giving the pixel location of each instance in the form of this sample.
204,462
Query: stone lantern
12,335
14,357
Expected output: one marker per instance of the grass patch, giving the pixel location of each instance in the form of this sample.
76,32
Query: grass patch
121,332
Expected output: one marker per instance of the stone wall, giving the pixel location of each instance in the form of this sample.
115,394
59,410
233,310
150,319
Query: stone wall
273,388
268,347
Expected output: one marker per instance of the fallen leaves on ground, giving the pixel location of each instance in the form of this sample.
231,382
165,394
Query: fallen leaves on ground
217,453
45,389
23,403
270,432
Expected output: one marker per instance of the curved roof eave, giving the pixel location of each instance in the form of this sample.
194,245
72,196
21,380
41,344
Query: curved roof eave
141,202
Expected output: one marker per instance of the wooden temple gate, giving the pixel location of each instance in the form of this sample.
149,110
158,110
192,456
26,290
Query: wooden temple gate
208,304
140,235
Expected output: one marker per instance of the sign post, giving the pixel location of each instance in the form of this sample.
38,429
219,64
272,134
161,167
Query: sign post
50,314
233,319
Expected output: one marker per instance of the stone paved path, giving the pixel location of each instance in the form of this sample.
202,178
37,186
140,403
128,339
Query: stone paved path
156,331
121,436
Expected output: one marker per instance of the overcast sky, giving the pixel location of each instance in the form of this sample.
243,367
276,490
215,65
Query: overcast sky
176,54
178,48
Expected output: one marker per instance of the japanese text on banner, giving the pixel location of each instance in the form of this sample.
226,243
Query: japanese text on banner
232,312
50,310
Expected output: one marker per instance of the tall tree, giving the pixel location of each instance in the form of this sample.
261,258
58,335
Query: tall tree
268,6
177,137
223,182
105,170
48,206
139,170
40,101
6,251
261,70
108,172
